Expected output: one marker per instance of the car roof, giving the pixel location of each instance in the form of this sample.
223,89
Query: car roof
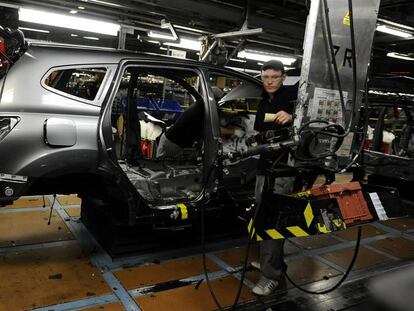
64,54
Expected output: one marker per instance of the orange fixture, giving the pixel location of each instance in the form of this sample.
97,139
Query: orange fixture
350,199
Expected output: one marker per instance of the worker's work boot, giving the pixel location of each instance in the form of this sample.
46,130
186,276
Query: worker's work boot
265,286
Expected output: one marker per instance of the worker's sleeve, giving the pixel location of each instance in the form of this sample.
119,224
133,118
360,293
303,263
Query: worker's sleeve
293,95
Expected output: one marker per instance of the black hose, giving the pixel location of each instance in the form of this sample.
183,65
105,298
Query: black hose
203,239
331,49
364,131
249,240
347,129
336,71
354,257
354,62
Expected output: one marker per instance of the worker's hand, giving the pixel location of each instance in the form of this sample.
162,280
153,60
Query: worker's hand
283,117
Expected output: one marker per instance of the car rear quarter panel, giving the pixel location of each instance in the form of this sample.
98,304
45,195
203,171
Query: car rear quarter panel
24,150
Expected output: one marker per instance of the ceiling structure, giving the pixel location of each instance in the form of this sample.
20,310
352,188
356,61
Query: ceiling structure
283,23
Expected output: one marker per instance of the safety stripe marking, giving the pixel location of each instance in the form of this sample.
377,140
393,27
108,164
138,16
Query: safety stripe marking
274,234
184,211
249,227
297,231
258,238
308,215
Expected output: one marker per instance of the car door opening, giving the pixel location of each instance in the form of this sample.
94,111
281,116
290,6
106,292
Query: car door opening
157,133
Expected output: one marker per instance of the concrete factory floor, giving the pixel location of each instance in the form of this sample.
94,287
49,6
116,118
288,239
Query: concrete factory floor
61,267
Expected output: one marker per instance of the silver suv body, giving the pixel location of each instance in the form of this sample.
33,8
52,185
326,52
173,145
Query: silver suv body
69,125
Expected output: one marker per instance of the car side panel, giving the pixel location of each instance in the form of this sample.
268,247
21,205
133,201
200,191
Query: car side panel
25,152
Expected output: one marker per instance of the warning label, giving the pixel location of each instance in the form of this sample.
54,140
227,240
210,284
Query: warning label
346,19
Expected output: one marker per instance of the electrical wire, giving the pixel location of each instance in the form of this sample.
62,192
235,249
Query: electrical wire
249,240
203,240
364,130
332,51
348,128
351,265
323,131
336,72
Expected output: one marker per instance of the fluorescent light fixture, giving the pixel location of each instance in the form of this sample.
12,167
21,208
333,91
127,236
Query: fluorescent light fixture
66,21
400,56
189,28
393,31
396,25
91,38
375,92
159,35
188,44
73,11
81,7
106,3
264,57
153,41
34,29
74,35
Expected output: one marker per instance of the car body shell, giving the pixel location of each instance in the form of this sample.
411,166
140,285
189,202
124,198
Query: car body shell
59,135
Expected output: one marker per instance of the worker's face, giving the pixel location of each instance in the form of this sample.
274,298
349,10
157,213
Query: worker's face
272,80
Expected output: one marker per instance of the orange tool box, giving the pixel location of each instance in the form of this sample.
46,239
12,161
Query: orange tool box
350,199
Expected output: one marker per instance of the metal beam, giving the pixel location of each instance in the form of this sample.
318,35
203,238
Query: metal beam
239,33
213,11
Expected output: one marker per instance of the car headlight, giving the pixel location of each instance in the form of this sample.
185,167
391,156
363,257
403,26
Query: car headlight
7,124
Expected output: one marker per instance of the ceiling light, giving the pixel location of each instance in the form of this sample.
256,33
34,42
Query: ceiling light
34,29
393,31
73,11
66,21
400,56
74,35
159,35
396,25
153,41
189,28
106,3
188,44
81,7
91,38
264,57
